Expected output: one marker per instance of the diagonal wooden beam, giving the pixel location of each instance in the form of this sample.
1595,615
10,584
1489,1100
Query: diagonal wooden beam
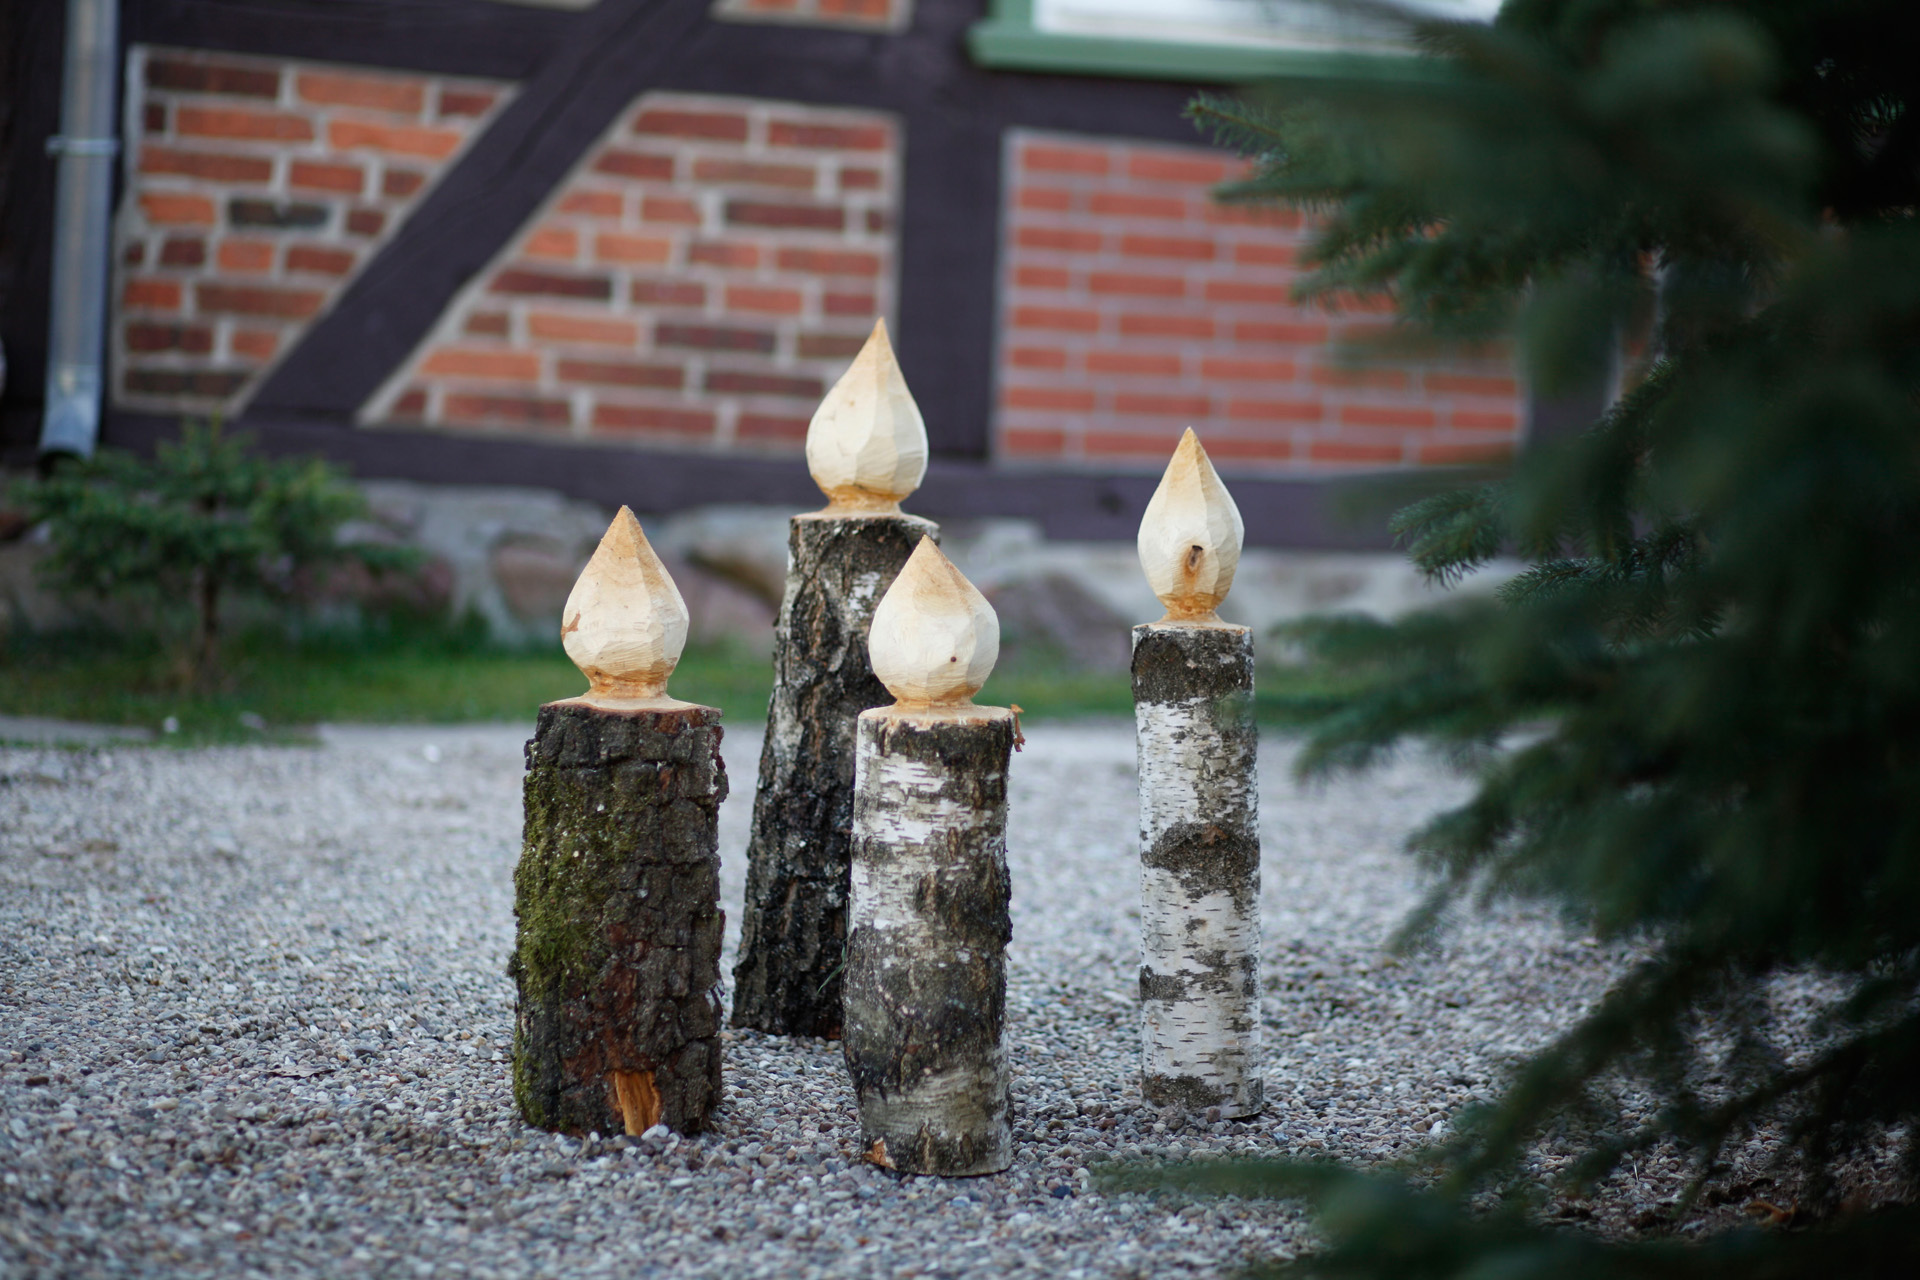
608,53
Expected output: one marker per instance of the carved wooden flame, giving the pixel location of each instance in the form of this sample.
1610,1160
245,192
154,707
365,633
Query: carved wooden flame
625,623
867,445
934,638
1190,536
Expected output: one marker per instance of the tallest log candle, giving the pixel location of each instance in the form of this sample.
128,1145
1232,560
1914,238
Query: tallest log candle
867,449
1199,804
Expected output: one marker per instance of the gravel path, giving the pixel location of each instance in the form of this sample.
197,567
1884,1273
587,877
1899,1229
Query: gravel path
256,1019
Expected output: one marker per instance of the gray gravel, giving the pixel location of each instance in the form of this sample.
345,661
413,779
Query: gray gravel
256,1021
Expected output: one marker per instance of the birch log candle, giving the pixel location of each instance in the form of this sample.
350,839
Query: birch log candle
926,981
867,449
1199,803
617,953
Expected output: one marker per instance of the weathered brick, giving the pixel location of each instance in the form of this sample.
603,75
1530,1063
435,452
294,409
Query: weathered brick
1369,415
1470,420
614,247
135,253
257,300
492,364
703,337
167,208
1184,248
593,204
1160,324
551,284
1248,370
1203,171
830,346
1133,364
1058,239
670,209
313,175
151,294
409,406
1031,442
320,260
1253,215
799,177
183,251
1063,319
208,166
246,256
1463,454
466,102
1301,333
669,293
747,383
1352,451
275,213
1277,295
828,137
723,126
763,301
236,122
1145,286
1349,376
760,213
1042,277
1154,445
1058,399
211,384
1166,406
878,220
146,336
1307,410
1470,384
718,253
646,417
374,93
523,412
366,222
1239,449
489,324
393,139
1041,158
552,242
205,75
401,183
859,178
1037,357
153,117
646,166
829,262
871,10
849,304
1264,254
1116,204
1044,199
621,373
553,326
258,345
765,428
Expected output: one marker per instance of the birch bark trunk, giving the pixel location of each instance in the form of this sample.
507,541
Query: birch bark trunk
926,983
793,928
1199,866
617,954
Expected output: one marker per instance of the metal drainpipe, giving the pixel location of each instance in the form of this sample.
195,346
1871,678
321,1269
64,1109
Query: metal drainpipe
86,147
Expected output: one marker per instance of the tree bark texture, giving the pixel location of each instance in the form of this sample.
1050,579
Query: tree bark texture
793,928
1199,866
617,953
926,983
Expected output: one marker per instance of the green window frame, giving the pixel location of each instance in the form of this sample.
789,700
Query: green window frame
1007,39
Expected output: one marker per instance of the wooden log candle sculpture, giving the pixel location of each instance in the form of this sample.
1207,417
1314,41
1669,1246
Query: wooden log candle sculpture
867,449
1199,804
926,982
617,957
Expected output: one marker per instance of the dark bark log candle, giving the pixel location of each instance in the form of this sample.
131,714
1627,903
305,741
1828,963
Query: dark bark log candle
926,982
867,450
1199,804
616,958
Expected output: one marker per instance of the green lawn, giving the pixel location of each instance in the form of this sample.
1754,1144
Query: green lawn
444,678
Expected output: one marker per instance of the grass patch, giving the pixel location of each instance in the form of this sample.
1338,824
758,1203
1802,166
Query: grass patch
277,686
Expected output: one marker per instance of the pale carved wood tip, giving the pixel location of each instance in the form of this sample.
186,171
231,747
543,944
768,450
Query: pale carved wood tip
1190,536
934,637
625,624
867,444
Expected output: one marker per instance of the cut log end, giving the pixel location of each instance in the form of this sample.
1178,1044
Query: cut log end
637,1099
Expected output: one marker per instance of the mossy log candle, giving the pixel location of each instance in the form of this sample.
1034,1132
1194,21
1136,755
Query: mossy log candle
1199,805
617,954
867,450
926,982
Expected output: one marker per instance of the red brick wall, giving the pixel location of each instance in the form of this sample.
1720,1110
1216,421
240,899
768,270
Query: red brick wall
1133,307
255,190
700,279
887,15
